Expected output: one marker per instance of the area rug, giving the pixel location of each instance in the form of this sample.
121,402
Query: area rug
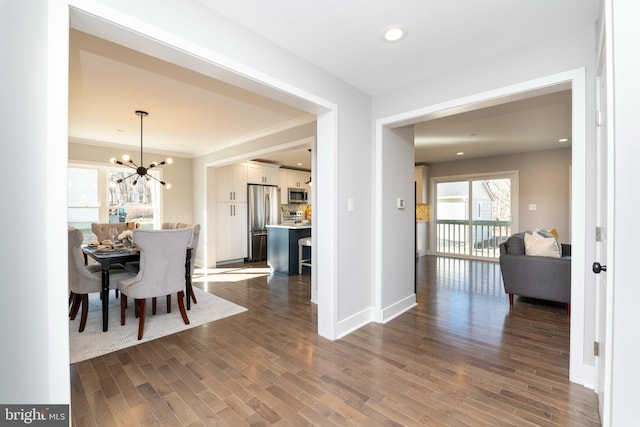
92,342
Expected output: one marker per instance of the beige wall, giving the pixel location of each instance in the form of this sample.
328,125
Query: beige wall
177,203
544,178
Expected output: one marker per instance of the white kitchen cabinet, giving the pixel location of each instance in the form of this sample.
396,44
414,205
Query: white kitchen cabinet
231,231
298,179
231,183
263,173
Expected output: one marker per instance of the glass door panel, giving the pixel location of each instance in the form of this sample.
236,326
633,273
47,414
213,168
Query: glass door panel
452,217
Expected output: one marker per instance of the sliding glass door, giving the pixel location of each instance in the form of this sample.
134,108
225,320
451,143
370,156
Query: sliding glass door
473,215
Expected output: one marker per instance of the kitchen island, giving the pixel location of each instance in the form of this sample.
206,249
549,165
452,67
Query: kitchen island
282,247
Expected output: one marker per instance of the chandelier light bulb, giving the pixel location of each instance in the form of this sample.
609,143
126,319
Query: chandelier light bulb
168,186
169,161
126,157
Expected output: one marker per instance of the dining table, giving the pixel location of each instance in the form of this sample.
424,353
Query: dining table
110,257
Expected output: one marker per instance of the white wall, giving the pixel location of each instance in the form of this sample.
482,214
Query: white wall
177,202
34,361
623,269
543,180
395,287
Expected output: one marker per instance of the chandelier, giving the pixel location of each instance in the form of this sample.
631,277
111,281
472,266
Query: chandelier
141,172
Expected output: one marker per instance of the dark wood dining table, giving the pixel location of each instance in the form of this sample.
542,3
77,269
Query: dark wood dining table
107,259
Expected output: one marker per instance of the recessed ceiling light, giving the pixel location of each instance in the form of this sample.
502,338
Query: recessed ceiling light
299,163
394,33
563,140
459,153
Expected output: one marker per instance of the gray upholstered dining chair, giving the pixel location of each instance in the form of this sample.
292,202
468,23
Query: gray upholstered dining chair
162,272
193,244
84,279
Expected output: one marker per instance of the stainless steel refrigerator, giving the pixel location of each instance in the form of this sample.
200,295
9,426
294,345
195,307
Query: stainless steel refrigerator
264,205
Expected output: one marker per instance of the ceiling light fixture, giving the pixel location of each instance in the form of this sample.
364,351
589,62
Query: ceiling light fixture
140,171
460,153
563,140
394,34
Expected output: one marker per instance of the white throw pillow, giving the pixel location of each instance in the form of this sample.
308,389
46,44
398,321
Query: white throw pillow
537,245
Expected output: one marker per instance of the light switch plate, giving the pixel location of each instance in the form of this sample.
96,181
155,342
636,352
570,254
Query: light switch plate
533,207
401,204
351,205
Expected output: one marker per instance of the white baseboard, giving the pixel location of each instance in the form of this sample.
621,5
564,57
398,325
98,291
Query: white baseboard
589,377
352,323
397,308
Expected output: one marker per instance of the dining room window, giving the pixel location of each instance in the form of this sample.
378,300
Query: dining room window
93,197
83,206
140,202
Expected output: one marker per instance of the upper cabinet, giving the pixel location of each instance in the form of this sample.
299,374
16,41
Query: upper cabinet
290,178
263,173
231,183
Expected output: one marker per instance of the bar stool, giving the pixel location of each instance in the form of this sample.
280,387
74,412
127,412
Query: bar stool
304,241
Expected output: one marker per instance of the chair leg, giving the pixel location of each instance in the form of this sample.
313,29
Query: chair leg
169,303
183,312
123,307
154,305
85,310
510,299
141,303
193,295
74,307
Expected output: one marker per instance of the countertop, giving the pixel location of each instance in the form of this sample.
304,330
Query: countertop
290,226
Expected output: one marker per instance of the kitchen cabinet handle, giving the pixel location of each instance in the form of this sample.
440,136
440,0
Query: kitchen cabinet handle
231,210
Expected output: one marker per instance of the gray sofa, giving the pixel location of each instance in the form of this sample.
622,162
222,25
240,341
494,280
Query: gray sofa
538,277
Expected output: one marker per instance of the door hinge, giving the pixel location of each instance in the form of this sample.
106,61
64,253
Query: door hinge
598,118
598,234
596,348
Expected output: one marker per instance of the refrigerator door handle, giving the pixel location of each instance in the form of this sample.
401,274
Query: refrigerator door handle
267,208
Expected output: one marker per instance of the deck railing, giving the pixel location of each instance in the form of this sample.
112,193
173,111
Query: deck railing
453,237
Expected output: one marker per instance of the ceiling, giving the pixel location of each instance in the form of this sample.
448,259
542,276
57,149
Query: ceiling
191,114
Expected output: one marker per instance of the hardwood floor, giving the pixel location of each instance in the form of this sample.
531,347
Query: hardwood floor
461,357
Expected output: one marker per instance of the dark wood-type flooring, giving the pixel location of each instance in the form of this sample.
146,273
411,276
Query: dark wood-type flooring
461,357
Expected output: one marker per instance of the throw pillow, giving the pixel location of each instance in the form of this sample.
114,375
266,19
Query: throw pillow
536,244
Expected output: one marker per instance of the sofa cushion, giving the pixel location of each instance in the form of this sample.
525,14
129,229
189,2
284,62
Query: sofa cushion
539,244
515,245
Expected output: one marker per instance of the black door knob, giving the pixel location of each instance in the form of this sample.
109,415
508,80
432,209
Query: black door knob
597,268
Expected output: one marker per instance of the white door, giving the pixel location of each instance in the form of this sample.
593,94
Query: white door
603,292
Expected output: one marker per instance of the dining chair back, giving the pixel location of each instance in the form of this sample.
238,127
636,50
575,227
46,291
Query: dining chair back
193,244
83,279
101,229
162,271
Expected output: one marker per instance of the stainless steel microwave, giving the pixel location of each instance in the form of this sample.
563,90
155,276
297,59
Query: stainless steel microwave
298,195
